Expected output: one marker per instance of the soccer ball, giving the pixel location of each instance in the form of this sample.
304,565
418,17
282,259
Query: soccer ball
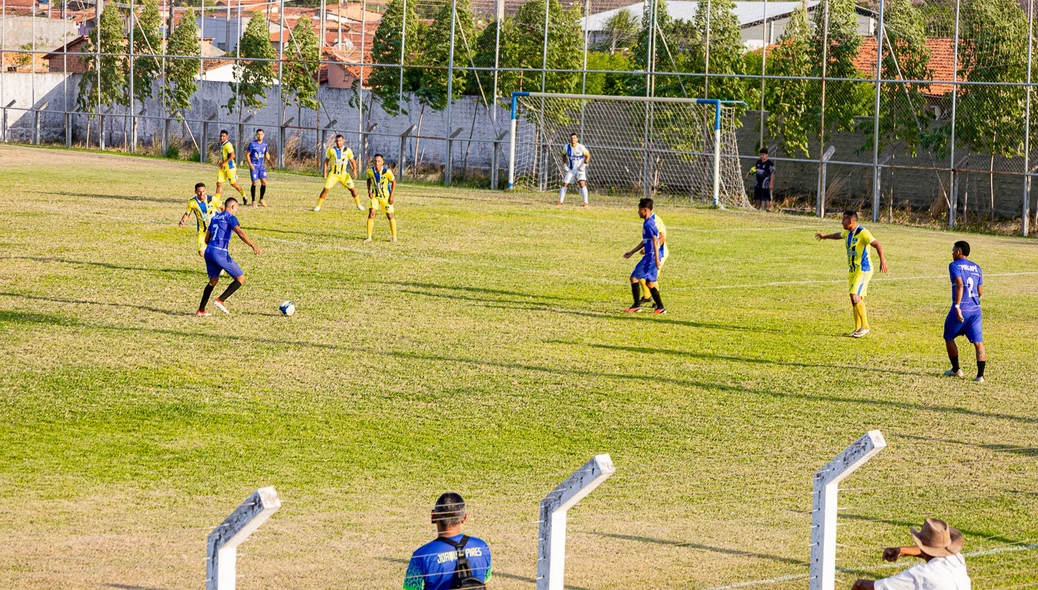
753,170
287,308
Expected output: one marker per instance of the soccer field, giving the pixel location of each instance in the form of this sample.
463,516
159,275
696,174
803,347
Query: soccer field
486,352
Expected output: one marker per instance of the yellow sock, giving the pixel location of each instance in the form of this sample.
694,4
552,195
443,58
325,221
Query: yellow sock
645,289
320,201
392,227
861,313
857,317
371,225
356,199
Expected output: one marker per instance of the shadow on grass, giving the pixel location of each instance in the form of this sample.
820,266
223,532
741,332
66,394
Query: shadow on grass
723,550
223,338
1014,449
131,587
30,317
116,197
480,290
700,355
986,535
119,304
183,271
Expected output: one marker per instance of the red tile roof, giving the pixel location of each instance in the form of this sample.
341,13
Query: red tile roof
941,64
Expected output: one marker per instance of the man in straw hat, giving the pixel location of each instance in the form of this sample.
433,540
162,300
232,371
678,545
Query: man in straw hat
940,546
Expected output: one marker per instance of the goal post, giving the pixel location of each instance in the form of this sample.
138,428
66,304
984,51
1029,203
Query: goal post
638,145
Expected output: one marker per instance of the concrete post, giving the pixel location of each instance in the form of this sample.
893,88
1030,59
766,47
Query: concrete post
223,542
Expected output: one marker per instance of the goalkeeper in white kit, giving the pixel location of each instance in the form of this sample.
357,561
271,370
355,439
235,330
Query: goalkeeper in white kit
577,158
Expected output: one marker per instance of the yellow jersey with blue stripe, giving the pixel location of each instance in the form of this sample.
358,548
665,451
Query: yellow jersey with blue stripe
339,161
226,151
379,181
857,243
203,212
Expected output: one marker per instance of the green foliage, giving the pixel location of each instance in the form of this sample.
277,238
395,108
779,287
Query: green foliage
608,84
484,51
114,87
904,117
522,46
992,49
147,42
433,88
386,82
719,28
674,41
254,78
844,100
622,32
789,115
181,84
302,61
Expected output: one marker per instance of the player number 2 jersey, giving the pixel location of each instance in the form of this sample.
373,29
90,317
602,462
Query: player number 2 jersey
576,156
857,243
339,160
972,278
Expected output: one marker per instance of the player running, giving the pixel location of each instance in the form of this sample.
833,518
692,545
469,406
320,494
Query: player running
648,267
664,251
764,170
857,239
203,207
964,317
217,258
577,158
257,155
227,172
381,186
338,163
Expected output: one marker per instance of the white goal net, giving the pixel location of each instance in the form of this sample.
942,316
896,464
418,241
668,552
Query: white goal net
643,146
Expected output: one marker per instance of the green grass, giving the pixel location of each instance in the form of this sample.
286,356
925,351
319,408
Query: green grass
485,353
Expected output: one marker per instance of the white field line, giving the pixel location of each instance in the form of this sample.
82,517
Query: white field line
884,566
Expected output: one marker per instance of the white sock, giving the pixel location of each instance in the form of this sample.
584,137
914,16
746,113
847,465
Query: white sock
562,193
583,193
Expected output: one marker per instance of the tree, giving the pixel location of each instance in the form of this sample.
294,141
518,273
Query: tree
485,51
904,117
844,99
147,43
673,43
255,76
717,27
787,100
522,46
399,28
182,70
608,84
621,31
111,67
433,89
302,62
993,33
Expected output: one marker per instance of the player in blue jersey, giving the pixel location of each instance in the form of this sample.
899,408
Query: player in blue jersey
257,154
217,258
964,317
648,268
435,565
577,159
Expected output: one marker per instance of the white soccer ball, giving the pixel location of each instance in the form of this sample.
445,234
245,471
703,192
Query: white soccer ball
287,308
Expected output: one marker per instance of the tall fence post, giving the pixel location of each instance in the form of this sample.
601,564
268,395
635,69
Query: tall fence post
824,508
203,146
7,106
875,116
493,160
551,543
222,546
450,160
401,162
822,181
36,122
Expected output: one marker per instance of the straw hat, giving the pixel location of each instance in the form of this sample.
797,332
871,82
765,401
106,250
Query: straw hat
937,539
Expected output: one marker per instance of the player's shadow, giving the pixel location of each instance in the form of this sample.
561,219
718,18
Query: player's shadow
702,547
997,448
136,198
130,587
107,265
120,305
986,535
481,291
13,316
314,234
739,359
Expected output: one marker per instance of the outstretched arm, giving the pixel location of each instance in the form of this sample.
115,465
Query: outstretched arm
821,236
241,234
882,258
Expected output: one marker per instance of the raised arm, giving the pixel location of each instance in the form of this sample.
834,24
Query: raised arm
241,234
882,259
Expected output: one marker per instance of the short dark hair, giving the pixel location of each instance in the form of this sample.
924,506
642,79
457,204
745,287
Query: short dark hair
224,132
228,202
764,150
380,156
449,509
199,185
260,131
573,135
962,246
338,136
645,203
851,213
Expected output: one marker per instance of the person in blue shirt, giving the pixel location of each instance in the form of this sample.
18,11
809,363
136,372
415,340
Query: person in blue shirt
964,318
648,268
432,566
257,156
217,258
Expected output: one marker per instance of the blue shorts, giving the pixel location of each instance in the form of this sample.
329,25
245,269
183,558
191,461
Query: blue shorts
257,173
646,269
217,260
970,328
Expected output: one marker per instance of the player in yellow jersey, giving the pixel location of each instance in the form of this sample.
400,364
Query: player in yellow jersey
203,207
381,186
338,163
227,170
858,239
664,253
